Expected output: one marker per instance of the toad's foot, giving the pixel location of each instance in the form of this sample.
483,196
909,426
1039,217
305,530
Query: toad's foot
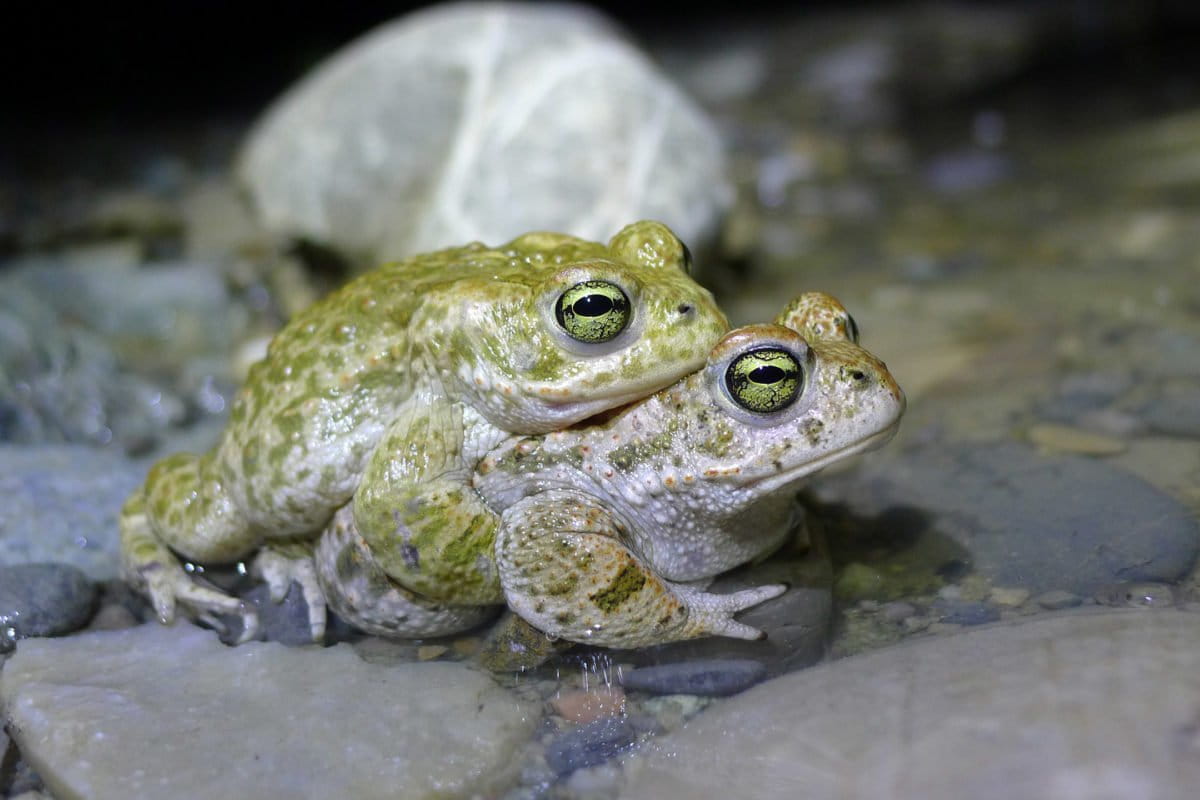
152,569
281,565
566,568
712,614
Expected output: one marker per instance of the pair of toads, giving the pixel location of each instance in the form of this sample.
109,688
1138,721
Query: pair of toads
555,425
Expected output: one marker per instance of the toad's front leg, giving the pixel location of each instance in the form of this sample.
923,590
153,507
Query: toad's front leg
426,526
566,569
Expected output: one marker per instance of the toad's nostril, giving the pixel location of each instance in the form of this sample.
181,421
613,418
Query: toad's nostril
684,308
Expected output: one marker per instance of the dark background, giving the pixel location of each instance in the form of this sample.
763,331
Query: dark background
132,62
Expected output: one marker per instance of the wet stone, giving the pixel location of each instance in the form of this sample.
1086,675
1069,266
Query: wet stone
590,744
1023,519
1057,599
716,678
44,599
1072,706
965,612
160,712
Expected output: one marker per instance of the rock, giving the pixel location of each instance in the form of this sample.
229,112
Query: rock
1175,410
44,599
1043,708
965,612
1020,519
481,122
1067,439
590,744
716,678
1057,600
60,504
90,352
586,705
157,712
1137,594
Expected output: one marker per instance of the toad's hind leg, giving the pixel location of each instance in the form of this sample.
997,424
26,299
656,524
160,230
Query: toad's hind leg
182,508
360,592
566,569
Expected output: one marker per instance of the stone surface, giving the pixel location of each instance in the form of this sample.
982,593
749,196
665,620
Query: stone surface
1070,707
590,744
60,503
156,712
481,122
91,345
44,599
715,678
1022,519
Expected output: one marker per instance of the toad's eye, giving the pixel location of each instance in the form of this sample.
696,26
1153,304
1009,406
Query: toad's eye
765,381
593,311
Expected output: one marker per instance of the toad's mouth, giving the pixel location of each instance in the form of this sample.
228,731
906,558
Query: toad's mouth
771,482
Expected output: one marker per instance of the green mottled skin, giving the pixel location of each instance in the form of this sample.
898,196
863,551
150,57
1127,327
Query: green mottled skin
600,527
433,360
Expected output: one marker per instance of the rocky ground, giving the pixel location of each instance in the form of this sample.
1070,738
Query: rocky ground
1004,599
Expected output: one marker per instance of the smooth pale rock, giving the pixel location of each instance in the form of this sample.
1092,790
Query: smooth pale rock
481,121
156,712
1073,707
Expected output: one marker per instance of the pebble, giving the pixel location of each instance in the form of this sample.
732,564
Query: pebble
590,744
591,704
965,612
715,678
1004,596
223,721
1057,599
1137,594
1067,439
1024,518
44,599
466,122
1175,410
1045,708
429,652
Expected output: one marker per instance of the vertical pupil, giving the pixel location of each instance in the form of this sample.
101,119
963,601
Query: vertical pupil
766,374
592,305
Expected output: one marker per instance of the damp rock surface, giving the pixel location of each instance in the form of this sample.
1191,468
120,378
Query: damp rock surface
156,712
1046,708
1029,520
61,502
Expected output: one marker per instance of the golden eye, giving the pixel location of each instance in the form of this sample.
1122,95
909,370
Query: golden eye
765,380
593,311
